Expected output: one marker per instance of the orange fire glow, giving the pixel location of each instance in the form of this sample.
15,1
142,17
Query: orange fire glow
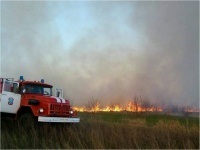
132,106
117,108
191,110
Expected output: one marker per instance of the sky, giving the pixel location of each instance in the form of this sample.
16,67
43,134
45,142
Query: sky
108,50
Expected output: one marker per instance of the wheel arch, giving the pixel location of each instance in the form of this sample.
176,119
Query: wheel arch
23,110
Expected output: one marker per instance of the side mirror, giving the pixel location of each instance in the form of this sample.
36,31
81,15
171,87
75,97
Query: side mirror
15,88
58,94
24,91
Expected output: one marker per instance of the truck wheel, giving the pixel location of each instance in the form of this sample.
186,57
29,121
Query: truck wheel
27,121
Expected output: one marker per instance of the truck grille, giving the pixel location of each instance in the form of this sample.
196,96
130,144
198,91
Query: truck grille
59,109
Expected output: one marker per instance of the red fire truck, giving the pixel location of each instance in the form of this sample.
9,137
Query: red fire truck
35,98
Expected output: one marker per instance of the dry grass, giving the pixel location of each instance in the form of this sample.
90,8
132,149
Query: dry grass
104,131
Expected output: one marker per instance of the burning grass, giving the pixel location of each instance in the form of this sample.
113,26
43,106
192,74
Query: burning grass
136,105
106,130
95,106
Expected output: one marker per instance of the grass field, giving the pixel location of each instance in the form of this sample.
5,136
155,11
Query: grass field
105,130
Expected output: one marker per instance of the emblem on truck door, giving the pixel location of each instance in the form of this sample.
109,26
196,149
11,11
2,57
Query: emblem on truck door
10,100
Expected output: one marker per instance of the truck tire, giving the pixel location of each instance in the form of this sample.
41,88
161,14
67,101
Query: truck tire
27,121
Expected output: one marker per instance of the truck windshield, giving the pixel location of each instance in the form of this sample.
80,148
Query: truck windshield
37,89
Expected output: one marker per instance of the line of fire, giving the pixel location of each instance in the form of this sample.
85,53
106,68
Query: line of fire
136,106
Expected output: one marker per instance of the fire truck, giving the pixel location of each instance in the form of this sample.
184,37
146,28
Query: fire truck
35,99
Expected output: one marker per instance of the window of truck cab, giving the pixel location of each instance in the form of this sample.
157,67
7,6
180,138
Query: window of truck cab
37,89
8,86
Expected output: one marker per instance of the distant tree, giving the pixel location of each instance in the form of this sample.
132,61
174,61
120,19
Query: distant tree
156,107
145,104
185,110
136,103
93,105
174,108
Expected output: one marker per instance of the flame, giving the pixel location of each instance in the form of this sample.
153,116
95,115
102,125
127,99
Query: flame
80,109
191,110
131,107
116,108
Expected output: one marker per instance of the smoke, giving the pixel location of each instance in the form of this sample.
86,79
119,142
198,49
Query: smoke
172,30
109,50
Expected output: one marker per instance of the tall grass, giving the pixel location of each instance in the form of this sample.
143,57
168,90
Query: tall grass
105,131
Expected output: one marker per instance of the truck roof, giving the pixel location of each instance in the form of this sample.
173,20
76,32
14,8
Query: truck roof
36,83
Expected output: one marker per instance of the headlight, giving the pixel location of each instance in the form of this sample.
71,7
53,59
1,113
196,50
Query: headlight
41,110
71,112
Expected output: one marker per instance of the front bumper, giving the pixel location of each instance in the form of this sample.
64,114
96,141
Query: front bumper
58,119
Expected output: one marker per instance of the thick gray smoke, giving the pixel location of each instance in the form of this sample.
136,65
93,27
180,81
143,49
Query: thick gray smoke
109,50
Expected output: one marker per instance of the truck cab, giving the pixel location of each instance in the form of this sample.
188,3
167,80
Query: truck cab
36,98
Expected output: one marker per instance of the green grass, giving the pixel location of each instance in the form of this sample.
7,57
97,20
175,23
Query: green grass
105,130
149,118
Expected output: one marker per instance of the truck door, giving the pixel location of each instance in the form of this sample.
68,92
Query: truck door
10,98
